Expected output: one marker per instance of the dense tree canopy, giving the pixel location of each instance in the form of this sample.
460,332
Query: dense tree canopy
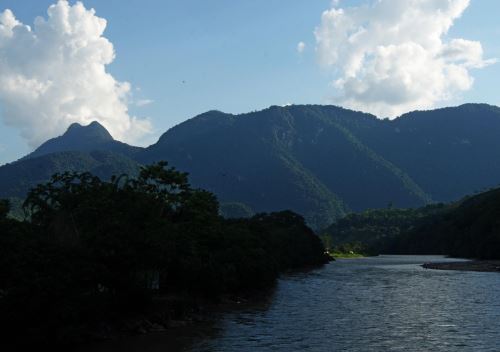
469,228
91,250
374,231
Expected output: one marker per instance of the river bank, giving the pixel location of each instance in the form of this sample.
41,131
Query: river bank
341,255
174,327
468,265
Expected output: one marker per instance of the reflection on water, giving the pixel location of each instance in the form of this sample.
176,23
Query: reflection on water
386,303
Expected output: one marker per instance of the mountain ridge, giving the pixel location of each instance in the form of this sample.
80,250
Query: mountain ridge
320,161
93,136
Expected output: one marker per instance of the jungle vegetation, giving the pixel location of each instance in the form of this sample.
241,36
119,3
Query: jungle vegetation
469,228
90,250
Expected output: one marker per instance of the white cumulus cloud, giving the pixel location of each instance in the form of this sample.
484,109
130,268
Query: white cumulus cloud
54,74
389,57
301,46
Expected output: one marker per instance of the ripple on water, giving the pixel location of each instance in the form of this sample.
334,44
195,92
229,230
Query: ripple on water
386,303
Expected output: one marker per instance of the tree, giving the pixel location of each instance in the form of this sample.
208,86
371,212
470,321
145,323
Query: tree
4,208
93,249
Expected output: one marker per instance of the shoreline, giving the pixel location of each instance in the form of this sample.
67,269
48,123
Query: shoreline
469,265
336,256
193,321
180,318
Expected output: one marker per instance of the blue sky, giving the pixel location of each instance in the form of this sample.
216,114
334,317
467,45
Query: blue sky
236,56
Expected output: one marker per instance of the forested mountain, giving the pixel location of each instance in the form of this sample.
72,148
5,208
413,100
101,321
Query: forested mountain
449,152
320,161
16,179
84,138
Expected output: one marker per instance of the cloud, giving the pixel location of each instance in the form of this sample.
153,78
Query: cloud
144,102
389,57
54,74
301,46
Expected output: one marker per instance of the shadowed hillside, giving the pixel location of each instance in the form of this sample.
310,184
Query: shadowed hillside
320,161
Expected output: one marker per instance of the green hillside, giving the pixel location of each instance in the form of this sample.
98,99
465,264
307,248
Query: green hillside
469,228
319,161
300,158
17,178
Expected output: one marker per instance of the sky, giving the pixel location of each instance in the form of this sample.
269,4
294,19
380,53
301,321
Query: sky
143,66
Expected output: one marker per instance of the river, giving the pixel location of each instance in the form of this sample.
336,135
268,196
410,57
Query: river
385,303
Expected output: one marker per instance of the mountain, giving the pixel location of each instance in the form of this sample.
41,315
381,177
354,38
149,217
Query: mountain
84,138
320,161
298,157
449,152
17,178
81,148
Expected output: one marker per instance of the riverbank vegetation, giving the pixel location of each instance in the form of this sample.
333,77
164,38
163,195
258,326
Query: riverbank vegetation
338,254
373,231
91,251
469,228
344,250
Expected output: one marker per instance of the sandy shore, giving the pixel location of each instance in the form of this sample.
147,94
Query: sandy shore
472,265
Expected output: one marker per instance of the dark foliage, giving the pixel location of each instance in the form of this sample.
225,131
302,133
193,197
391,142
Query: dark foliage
93,251
469,229
375,231
235,210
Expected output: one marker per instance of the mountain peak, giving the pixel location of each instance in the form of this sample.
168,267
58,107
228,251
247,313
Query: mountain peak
93,131
93,136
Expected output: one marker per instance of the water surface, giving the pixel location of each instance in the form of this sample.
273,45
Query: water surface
386,303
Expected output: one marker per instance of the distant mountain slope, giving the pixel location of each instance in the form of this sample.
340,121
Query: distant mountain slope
320,161
360,176
17,178
239,160
449,152
84,138
297,157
